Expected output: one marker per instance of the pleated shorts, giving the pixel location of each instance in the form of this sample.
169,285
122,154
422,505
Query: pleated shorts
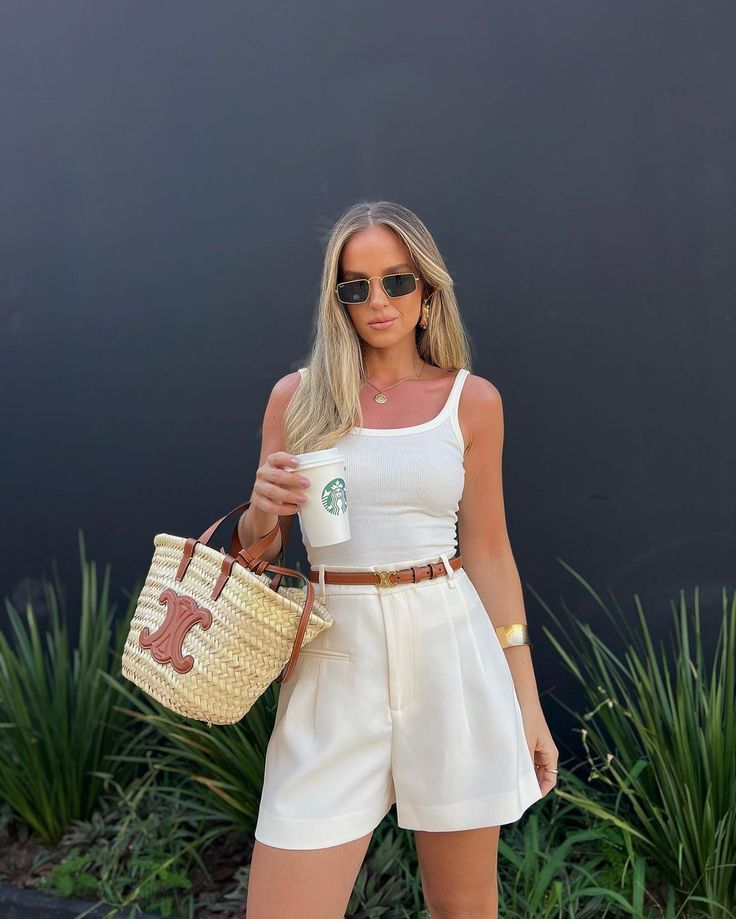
407,699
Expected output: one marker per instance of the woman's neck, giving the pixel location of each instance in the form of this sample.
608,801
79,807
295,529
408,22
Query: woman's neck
382,364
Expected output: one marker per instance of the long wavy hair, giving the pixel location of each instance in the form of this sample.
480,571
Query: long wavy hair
326,404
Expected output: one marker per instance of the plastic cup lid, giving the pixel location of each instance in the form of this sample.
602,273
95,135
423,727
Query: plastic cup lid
318,457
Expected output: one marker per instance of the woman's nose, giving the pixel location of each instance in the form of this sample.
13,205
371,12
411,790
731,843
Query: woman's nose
376,293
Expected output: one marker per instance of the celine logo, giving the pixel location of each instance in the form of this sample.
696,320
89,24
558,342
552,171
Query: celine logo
166,642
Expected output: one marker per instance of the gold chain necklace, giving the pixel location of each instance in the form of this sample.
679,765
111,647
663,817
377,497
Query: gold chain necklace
380,398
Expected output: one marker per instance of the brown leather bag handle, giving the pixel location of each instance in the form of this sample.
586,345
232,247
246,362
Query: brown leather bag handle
284,523
235,545
250,557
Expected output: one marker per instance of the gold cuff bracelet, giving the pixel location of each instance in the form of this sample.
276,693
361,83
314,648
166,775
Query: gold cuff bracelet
516,634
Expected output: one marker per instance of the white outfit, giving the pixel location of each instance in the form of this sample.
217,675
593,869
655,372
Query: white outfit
408,698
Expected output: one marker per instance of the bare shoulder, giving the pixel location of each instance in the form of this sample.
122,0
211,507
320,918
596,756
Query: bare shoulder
480,408
283,389
272,430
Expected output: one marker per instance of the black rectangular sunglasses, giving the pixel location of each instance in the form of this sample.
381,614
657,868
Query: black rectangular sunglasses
395,285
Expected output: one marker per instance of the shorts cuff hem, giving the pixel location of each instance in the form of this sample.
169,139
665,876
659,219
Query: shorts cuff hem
318,832
488,810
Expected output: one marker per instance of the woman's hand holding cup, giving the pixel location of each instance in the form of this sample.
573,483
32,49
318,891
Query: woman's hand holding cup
276,490
279,491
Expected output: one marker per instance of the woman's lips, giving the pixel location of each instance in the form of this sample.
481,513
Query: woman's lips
382,325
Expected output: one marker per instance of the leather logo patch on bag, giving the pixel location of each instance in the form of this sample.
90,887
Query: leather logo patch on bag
166,642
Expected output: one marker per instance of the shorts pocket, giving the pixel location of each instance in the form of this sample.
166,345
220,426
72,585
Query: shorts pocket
326,652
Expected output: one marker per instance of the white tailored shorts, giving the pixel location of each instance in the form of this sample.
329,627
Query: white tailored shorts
408,699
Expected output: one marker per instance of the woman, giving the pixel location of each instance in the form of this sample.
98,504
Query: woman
411,696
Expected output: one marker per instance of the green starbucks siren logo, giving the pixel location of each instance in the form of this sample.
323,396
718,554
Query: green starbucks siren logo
334,496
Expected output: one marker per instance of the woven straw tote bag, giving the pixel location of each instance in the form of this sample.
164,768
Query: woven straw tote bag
212,630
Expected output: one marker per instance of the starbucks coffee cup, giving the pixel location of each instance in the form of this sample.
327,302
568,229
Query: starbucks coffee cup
323,517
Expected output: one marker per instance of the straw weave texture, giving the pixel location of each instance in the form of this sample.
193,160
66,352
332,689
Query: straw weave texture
244,649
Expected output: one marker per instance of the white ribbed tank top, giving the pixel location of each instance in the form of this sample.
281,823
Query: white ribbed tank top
403,491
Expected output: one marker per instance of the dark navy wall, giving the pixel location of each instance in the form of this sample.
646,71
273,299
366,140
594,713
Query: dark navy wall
168,172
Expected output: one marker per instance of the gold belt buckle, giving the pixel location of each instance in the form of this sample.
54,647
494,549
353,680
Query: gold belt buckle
385,578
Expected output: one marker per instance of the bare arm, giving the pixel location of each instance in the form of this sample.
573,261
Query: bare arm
274,490
484,539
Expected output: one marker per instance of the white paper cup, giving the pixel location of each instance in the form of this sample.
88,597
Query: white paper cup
324,515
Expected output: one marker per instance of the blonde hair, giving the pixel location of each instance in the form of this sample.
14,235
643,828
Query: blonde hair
326,404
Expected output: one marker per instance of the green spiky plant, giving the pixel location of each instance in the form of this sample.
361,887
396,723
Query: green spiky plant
660,736
58,723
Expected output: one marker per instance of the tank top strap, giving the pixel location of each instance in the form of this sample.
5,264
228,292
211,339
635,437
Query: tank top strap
453,403
453,400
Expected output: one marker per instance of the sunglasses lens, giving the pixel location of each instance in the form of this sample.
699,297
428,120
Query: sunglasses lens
353,291
398,285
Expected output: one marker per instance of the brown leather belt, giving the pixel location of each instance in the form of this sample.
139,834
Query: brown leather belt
388,578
